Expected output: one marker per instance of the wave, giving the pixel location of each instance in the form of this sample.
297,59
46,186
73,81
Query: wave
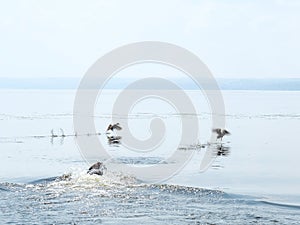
81,180
114,184
286,205
83,197
253,200
8,187
44,180
3,189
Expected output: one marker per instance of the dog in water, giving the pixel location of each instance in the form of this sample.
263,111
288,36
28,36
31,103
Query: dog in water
98,168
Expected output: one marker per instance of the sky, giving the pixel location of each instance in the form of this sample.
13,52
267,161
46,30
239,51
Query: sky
235,39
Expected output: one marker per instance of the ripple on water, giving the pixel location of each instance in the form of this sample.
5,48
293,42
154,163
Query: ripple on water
117,199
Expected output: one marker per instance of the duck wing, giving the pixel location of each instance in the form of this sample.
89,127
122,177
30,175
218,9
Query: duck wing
117,126
217,131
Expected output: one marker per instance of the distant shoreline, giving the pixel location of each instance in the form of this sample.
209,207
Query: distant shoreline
279,84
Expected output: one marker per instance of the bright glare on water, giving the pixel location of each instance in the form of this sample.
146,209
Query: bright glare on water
254,179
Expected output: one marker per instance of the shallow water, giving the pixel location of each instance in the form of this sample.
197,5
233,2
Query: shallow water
256,181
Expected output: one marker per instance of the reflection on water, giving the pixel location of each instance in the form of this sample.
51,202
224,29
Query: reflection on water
53,140
114,140
223,150
58,137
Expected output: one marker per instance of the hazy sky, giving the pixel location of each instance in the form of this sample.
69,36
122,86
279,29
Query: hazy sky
249,38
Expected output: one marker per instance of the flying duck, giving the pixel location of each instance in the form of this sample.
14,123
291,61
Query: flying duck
221,133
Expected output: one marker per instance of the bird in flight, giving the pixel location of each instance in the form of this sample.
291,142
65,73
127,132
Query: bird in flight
113,127
221,133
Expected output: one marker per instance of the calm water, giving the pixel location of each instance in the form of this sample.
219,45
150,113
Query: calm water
256,180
